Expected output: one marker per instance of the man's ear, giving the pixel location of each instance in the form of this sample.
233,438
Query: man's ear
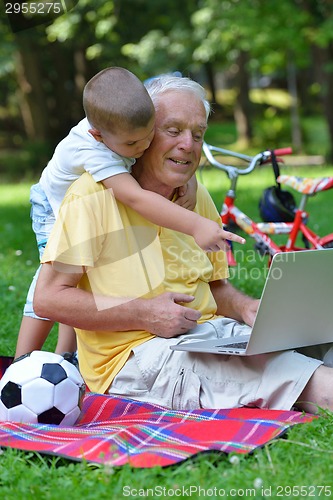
96,134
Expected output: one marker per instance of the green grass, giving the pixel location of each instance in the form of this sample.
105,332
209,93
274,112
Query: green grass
305,458
18,261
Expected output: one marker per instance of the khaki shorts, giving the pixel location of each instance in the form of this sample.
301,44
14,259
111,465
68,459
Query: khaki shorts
182,380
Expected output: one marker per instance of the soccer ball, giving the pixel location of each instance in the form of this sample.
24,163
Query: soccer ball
41,387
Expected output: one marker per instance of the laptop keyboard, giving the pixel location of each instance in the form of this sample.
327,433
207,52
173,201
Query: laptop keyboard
236,345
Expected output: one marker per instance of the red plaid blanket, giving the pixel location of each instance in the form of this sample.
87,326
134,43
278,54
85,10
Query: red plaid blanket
117,431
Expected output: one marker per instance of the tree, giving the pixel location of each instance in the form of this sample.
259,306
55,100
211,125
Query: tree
55,60
50,64
287,36
249,37
319,33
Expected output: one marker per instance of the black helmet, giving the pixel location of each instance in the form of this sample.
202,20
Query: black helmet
277,205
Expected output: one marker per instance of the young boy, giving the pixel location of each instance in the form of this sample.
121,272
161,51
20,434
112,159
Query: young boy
118,128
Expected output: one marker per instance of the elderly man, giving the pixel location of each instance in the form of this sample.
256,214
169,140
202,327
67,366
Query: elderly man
132,289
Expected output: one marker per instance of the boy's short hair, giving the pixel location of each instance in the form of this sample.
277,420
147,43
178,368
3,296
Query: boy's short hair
116,99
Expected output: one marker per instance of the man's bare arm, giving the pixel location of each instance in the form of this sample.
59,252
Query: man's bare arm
58,298
232,303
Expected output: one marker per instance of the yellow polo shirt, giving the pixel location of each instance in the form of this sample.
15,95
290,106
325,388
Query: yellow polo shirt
127,257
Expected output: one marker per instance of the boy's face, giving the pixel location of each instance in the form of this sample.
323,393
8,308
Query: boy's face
130,143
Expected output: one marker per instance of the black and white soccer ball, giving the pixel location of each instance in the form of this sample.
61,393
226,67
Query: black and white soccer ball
41,387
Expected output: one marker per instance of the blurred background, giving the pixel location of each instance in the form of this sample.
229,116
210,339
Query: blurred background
267,67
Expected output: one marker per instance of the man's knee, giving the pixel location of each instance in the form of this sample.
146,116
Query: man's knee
317,393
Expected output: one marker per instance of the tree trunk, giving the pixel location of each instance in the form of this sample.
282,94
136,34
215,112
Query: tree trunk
325,78
243,106
51,86
211,82
65,102
328,98
296,134
30,79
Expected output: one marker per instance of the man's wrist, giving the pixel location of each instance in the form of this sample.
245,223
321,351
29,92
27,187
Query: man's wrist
138,312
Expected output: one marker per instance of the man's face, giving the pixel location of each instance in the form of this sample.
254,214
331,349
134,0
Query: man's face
175,151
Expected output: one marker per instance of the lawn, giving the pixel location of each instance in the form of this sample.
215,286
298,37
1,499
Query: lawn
301,465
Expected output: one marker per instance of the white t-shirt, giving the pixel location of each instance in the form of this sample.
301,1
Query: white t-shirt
79,152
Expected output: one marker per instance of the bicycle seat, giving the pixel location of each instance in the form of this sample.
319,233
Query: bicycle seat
306,185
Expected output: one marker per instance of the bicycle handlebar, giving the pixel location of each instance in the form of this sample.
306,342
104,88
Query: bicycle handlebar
253,161
283,151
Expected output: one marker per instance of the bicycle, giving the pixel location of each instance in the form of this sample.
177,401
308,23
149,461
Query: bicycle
262,232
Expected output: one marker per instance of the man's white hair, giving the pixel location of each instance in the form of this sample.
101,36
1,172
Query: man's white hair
164,83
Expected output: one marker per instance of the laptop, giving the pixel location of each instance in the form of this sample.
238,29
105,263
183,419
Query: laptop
295,310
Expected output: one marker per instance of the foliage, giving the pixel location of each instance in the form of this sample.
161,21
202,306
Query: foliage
255,26
43,70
